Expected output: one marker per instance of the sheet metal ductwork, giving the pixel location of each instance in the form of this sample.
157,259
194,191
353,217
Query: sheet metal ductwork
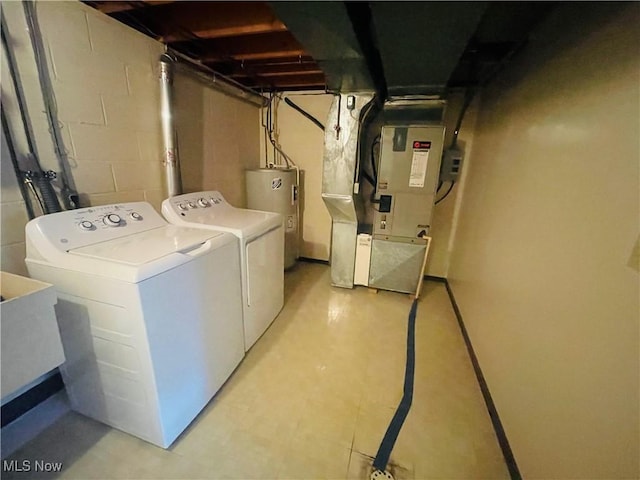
420,43
393,48
327,33
342,133
404,54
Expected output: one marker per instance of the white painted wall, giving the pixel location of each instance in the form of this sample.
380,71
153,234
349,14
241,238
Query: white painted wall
303,141
445,212
13,217
106,89
105,79
542,266
218,139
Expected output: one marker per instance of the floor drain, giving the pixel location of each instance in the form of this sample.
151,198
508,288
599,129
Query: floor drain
380,475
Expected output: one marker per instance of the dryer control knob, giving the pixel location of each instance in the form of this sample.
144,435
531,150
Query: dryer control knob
191,205
203,202
182,206
135,216
112,220
86,225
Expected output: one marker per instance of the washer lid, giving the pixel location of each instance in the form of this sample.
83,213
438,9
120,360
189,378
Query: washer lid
145,247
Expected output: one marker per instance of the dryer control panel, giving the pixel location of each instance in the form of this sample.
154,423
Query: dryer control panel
192,201
87,226
211,209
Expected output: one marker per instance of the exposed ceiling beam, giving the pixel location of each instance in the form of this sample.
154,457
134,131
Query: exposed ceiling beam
246,47
327,33
115,6
312,81
216,19
268,62
274,70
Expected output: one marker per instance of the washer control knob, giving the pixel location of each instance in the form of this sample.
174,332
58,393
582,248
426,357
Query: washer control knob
182,206
86,225
112,220
191,205
203,202
135,216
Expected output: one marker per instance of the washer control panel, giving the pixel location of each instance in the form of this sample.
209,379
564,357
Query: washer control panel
95,218
86,226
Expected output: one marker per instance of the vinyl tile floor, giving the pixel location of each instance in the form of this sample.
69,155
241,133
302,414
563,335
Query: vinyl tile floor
312,400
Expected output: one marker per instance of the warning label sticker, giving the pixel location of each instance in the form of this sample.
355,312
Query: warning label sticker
418,168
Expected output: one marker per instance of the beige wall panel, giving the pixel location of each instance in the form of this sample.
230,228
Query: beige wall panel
218,139
12,259
13,217
549,219
304,143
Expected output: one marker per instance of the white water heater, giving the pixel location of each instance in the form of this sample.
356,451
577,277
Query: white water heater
276,190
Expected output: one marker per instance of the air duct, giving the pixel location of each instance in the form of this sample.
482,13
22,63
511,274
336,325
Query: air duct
170,153
328,34
338,177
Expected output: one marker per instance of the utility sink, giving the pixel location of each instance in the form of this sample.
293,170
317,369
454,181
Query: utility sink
30,339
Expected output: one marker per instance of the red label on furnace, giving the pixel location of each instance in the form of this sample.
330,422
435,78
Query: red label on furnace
421,145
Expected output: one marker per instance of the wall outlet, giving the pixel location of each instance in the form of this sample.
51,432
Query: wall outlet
452,159
634,258
351,102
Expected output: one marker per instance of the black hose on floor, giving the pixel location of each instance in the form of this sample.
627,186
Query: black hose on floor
391,435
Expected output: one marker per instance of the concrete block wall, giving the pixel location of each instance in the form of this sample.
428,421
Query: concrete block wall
105,80
13,216
104,77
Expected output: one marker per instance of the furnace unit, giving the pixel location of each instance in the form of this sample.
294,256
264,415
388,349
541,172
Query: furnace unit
407,180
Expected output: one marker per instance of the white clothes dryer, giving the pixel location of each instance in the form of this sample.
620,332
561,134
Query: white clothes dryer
150,314
261,237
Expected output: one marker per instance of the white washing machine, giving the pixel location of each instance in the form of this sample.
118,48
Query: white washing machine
150,314
261,237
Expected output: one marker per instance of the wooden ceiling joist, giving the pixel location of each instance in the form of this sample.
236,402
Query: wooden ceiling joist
242,40
288,81
116,6
247,47
216,19
272,70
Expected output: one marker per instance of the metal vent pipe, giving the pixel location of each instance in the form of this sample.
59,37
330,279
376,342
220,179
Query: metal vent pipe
170,152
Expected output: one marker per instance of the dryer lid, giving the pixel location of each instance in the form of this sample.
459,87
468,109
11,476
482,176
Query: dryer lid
241,222
146,247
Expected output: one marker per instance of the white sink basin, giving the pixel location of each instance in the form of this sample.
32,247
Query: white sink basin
30,340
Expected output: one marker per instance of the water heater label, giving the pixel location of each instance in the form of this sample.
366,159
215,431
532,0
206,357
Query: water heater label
276,183
418,168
